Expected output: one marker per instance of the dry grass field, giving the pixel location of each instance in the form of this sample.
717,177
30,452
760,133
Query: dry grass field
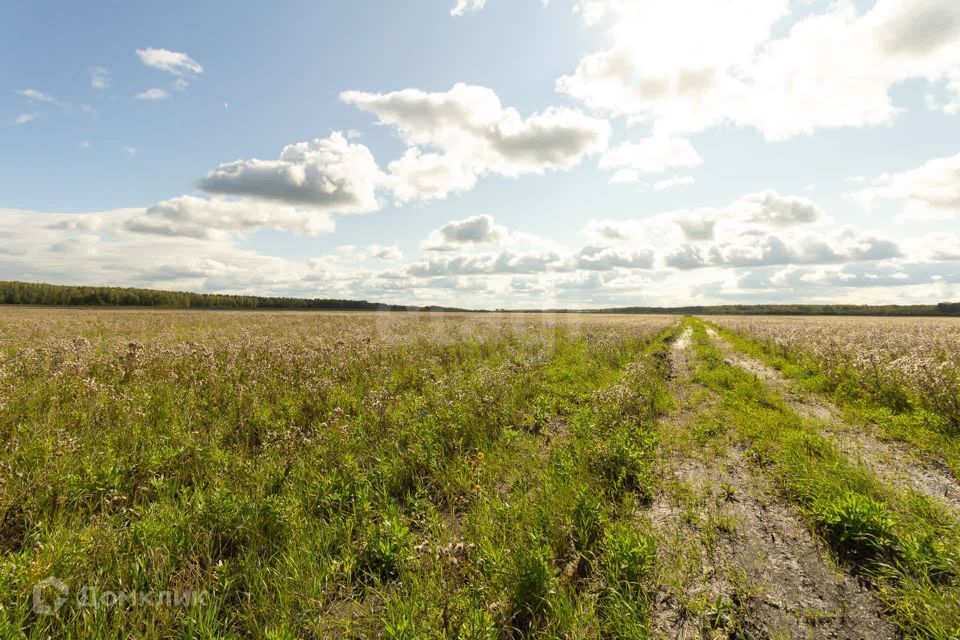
354,475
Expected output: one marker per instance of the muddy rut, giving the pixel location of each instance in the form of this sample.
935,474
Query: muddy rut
733,562
895,462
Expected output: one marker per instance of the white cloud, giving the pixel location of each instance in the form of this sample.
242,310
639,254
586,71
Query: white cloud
153,95
607,258
24,118
772,209
192,243
461,233
466,6
386,253
758,229
652,155
673,181
188,216
772,249
179,64
507,261
427,176
37,96
94,248
130,151
33,97
938,246
328,174
832,68
610,231
99,77
750,216
458,135
928,192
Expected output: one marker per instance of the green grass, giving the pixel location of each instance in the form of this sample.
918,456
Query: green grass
363,475
470,482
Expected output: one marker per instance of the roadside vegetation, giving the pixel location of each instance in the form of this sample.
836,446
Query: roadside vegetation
899,376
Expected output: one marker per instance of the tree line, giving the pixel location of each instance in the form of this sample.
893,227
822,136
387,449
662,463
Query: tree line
940,309
31,293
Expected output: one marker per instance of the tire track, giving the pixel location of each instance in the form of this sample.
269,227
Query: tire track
731,559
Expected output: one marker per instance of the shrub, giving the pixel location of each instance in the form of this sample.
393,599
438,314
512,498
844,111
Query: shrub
858,525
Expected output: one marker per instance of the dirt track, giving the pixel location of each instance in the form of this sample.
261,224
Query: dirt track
733,561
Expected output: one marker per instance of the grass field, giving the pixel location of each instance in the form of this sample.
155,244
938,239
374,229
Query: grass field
357,475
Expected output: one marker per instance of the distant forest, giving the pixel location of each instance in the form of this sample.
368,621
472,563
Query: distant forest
82,296
941,309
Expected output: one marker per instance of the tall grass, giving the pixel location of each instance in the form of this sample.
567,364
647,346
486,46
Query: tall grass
316,475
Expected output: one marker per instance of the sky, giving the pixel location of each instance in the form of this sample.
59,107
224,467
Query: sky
486,153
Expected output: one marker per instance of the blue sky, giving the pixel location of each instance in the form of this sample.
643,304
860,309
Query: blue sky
577,153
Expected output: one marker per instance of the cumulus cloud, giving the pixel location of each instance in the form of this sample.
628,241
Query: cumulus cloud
749,215
153,95
752,215
175,62
192,217
520,253
461,233
928,192
847,246
608,231
844,278
770,208
504,262
428,176
607,258
759,229
833,67
768,228
96,248
696,227
328,174
458,135
652,155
